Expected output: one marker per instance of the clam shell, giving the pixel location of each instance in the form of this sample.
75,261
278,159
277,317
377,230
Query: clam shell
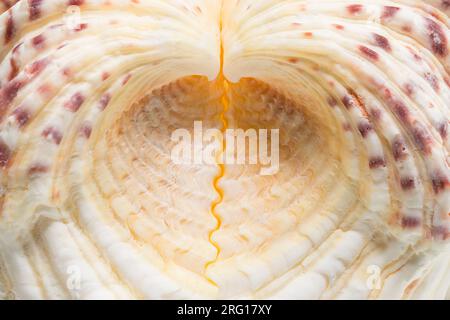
92,205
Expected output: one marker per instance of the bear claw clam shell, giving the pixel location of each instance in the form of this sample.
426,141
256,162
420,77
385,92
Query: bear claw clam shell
92,207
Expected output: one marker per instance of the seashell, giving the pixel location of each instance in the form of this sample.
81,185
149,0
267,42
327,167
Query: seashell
94,207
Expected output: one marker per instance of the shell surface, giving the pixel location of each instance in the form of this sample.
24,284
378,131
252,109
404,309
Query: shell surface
92,205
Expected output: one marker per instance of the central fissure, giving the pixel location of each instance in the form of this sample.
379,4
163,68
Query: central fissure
221,174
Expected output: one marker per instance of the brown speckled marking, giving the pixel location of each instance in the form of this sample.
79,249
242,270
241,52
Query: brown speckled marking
355,8
447,81
377,162
409,89
14,68
5,154
75,102
423,139
53,135
411,287
369,53
432,80
8,93
411,222
440,233
81,27
38,42
415,55
348,102
86,130
37,67
6,4
375,114
67,72
37,169
407,28
408,183
401,111
389,12
437,37
16,48
62,45
76,2
105,75
443,130
365,128
104,101
35,9
399,149
440,182
45,89
10,29
382,42
22,116
332,102
347,127
126,79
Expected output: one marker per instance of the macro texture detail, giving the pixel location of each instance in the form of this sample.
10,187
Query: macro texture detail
93,207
